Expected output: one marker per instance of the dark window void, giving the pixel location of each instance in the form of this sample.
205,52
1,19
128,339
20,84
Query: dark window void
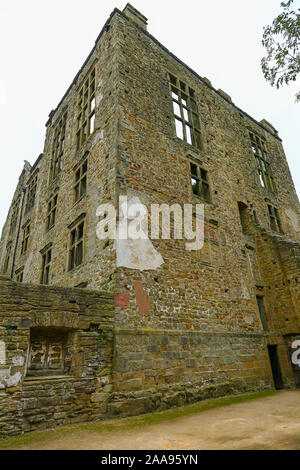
200,182
76,249
25,241
264,171
275,223
51,215
274,361
31,192
262,312
80,184
245,218
14,217
49,352
45,277
20,275
86,105
58,146
7,257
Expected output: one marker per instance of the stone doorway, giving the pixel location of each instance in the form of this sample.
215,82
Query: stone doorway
276,371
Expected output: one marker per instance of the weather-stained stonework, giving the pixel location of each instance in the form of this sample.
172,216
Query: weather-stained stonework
151,325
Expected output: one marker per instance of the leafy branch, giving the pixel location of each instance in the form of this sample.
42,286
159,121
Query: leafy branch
281,40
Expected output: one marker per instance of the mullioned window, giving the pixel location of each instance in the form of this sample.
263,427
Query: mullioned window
185,110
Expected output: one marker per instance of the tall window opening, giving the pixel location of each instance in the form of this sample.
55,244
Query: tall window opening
274,219
185,109
86,109
51,213
58,146
199,182
80,183
76,244
31,191
264,171
47,255
262,312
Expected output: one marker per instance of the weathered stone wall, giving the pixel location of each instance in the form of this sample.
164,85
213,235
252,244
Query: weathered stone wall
28,403
213,290
100,147
191,327
163,368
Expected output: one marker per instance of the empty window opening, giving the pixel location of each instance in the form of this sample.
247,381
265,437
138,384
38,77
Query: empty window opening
76,248
14,217
48,352
245,218
7,257
259,151
262,312
80,184
199,181
58,146
185,110
31,192
19,274
51,212
275,223
274,361
45,277
25,241
86,109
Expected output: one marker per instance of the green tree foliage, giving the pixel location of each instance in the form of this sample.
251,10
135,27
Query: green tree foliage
282,40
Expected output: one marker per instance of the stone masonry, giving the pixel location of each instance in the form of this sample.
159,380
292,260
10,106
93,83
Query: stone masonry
125,328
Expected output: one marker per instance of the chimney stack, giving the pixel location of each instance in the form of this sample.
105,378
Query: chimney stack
135,16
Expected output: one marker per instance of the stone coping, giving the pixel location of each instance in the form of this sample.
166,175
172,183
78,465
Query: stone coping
48,378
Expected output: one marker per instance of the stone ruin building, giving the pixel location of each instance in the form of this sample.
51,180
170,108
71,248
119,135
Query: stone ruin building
89,328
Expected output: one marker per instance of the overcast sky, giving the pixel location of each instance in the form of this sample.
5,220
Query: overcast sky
44,43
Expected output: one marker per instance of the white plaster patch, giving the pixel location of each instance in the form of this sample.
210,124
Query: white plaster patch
8,380
18,361
13,380
2,353
136,253
293,216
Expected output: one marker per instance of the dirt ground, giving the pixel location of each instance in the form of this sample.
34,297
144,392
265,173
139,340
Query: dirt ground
272,422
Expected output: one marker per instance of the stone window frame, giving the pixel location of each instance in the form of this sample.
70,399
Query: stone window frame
212,243
258,146
7,256
58,146
201,186
47,337
80,179
19,273
185,112
46,262
14,216
31,191
86,108
275,223
76,245
26,235
51,211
